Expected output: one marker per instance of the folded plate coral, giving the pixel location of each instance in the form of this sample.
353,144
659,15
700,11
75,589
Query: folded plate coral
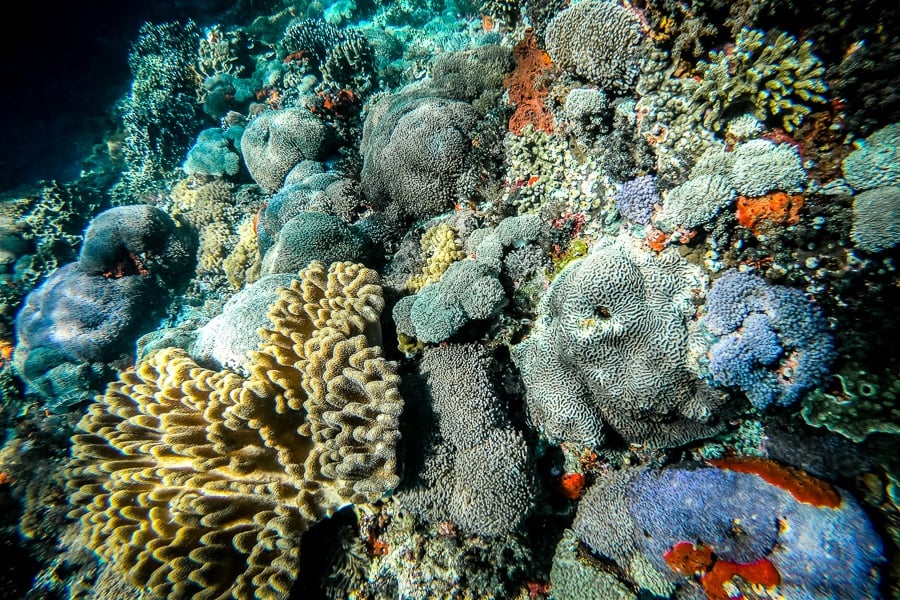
199,483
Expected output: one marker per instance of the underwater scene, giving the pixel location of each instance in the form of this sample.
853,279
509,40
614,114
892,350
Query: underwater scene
451,299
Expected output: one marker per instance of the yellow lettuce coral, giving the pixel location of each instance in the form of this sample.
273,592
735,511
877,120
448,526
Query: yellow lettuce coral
199,483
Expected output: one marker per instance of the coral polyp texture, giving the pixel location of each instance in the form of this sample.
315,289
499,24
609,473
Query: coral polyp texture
742,521
609,350
198,483
770,341
476,471
599,41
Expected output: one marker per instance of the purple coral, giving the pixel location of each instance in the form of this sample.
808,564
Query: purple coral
819,550
772,343
637,199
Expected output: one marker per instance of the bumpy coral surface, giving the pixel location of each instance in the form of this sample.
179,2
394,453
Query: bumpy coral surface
699,528
771,342
610,348
477,471
414,154
597,40
199,483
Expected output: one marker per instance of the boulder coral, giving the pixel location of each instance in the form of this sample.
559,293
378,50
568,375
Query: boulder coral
609,349
197,483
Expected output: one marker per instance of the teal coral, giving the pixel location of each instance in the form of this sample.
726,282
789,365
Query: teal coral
859,404
876,162
776,78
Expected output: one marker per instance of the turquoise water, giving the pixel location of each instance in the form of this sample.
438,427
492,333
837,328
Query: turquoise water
380,299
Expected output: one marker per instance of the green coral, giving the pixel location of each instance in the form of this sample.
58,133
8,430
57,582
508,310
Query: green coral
859,404
780,77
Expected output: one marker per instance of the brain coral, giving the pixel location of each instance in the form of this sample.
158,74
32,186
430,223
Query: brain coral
610,346
414,154
709,522
198,483
276,141
771,342
598,40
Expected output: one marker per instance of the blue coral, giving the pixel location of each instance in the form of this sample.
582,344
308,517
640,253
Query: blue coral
637,199
819,551
770,341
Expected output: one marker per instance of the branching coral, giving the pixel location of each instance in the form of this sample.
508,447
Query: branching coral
770,78
199,483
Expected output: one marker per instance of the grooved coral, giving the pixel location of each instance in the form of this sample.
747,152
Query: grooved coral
610,346
199,483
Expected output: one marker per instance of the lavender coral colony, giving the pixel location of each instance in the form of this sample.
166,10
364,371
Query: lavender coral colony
376,300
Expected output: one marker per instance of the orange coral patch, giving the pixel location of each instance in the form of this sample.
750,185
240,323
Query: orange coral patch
571,485
687,559
524,88
801,485
761,572
764,212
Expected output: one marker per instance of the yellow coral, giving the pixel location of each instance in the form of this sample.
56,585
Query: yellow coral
440,249
199,483
242,266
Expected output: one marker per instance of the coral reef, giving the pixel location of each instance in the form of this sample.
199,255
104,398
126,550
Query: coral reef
776,77
160,112
469,289
526,91
476,470
215,153
609,347
276,141
877,162
414,155
90,312
771,342
193,481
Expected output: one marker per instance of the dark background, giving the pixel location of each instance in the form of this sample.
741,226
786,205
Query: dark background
64,65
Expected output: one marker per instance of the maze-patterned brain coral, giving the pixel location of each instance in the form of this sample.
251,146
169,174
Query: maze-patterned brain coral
199,483
610,346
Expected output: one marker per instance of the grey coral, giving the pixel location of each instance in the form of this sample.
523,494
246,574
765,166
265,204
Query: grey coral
610,347
477,471
599,41
414,154
276,141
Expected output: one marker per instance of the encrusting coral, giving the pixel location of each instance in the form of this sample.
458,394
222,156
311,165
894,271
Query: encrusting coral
199,483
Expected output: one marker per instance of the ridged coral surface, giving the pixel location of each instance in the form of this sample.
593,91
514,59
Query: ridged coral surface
199,483
610,346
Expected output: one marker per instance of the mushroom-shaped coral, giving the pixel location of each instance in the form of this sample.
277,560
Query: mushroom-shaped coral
199,483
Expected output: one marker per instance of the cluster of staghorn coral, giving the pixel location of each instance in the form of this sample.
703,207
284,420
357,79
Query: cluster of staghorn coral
199,483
